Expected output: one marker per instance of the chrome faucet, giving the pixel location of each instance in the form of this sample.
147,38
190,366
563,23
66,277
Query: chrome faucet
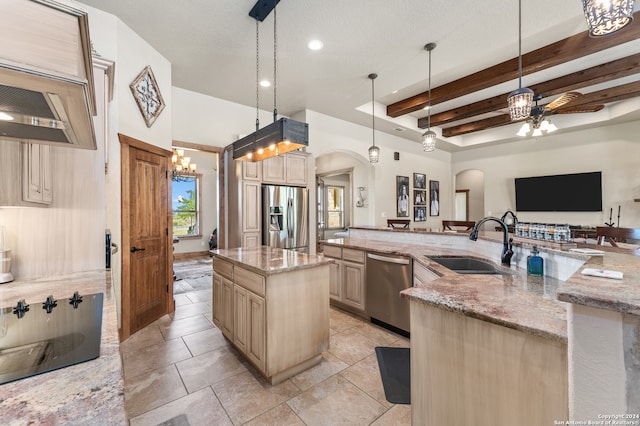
507,248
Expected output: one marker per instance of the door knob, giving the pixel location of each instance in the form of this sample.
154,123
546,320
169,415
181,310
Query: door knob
135,249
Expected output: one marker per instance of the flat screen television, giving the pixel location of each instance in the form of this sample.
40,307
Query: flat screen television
577,192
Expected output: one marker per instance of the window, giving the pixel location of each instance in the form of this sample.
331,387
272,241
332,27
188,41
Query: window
185,205
335,207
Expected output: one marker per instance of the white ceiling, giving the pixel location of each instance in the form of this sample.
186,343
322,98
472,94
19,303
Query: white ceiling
211,45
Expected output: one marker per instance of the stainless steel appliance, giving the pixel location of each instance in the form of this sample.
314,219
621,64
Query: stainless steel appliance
285,215
387,276
49,335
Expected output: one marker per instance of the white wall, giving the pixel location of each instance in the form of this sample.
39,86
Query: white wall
614,150
328,134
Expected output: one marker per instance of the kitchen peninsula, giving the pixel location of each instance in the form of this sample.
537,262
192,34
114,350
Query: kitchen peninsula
499,349
273,306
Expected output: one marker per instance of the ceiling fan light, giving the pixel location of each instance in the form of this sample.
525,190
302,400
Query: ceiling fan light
551,128
537,132
544,126
374,154
605,17
520,103
429,141
524,129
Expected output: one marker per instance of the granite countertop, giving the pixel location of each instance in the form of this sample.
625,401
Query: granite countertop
87,393
516,301
267,260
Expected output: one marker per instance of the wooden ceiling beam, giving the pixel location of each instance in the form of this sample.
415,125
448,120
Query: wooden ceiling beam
600,73
545,57
612,94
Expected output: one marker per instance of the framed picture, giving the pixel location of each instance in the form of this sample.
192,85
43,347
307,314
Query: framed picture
419,197
420,214
419,181
434,198
402,195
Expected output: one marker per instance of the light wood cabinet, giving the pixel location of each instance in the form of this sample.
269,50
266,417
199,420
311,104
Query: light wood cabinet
251,170
422,275
26,174
251,239
290,169
279,322
251,207
347,281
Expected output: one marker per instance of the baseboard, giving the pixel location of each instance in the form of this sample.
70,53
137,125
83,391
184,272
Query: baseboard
194,255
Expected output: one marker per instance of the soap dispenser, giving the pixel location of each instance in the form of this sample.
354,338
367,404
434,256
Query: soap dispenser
535,264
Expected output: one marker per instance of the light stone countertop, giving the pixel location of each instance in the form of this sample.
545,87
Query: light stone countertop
267,260
88,393
517,301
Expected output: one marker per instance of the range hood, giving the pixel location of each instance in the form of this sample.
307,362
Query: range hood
46,75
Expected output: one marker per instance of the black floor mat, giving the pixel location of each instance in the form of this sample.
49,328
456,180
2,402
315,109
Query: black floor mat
395,369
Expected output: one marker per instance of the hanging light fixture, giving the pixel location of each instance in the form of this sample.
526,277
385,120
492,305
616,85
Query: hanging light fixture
605,17
181,165
537,122
429,137
520,100
282,135
374,151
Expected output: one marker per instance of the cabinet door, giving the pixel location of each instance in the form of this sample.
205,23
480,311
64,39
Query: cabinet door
296,169
240,316
256,320
217,300
251,239
46,174
335,280
250,170
227,308
273,169
251,207
353,284
37,173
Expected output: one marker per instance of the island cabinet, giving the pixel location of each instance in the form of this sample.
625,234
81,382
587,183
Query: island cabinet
347,277
277,317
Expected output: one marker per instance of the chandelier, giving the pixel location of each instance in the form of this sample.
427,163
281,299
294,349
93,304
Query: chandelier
181,165
520,100
605,17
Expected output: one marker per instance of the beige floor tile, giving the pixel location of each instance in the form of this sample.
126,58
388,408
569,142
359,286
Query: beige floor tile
200,296
365,375
329,366
148,336
351,346
340,321
398,415
183,327
376,333
335,401
199,408
209,368
205,341
181,299
151,390
282,415
246,396
154,357
191,310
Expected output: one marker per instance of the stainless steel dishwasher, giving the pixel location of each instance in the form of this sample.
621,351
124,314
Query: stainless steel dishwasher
387,276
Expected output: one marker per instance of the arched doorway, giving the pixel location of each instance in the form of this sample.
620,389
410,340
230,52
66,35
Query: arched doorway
469,194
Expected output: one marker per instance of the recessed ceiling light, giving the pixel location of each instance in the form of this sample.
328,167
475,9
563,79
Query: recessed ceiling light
395,91
315,45
399,129
265,83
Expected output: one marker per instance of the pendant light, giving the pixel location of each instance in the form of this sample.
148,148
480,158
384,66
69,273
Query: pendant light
429,137
374,151
520,100
282,135
605,17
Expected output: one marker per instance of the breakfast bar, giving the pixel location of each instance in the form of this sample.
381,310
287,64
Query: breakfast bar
273,306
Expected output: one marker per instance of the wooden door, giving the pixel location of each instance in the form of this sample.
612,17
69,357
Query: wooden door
147,287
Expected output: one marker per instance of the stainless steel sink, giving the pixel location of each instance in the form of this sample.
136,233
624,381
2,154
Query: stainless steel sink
469,265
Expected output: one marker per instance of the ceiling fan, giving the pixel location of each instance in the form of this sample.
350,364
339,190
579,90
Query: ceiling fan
537,119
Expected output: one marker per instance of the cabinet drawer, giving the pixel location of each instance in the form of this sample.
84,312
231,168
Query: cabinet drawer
353,255
250,280
331,251
223,268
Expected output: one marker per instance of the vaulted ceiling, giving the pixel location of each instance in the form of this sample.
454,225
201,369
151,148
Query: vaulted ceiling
211,45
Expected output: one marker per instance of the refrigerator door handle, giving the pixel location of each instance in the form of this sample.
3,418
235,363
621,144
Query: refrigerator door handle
290,218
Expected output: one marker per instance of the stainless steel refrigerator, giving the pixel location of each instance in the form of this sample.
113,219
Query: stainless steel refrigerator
285,216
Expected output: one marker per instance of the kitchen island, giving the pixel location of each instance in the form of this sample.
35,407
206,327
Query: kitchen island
506,349
87,393
273,306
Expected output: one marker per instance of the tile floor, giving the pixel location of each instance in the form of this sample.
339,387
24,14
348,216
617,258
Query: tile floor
180,370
